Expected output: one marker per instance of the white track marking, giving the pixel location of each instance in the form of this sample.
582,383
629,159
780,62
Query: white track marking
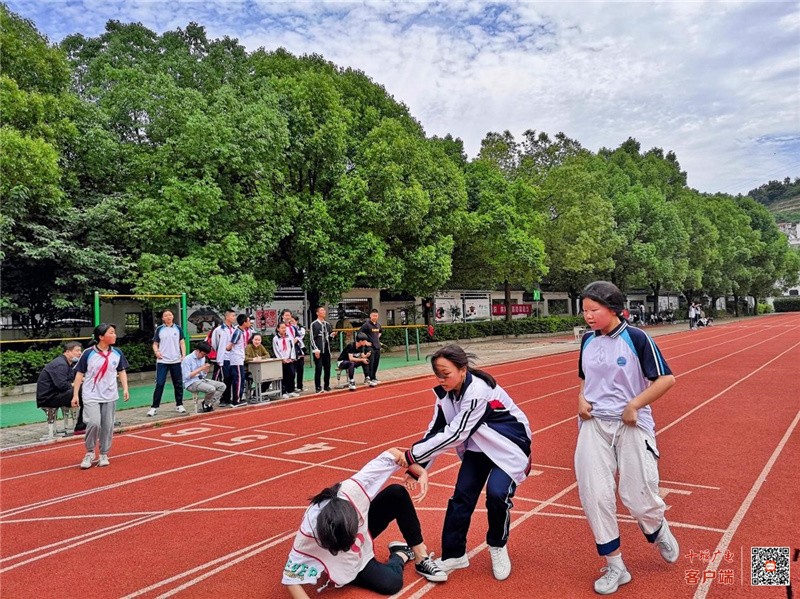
722,546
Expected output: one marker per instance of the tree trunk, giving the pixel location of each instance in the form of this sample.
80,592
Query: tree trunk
736,306
656,288
507,290
313,296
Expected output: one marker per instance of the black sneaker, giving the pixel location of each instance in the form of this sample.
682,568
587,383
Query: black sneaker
327,388
427,568
319,391
401,547
207,408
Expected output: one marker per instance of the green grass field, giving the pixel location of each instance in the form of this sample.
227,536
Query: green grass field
26,412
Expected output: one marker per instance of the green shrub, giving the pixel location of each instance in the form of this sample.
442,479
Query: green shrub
487,328
787,304
765,308
22,367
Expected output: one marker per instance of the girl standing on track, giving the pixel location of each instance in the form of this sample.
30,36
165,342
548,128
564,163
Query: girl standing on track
623,372
491,435
96,377
337,530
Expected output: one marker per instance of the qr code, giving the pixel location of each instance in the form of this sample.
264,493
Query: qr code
769,566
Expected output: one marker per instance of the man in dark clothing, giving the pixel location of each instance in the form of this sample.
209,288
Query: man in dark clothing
321,334
354,354
373,330
54,385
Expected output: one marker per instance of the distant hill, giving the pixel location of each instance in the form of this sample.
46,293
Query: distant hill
782,198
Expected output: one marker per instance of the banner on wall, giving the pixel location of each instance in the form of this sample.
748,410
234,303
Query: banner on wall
516,309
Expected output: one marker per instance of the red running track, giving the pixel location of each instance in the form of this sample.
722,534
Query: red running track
208,507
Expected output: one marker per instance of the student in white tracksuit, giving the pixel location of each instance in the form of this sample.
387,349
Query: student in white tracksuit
491,435
338,529
623,372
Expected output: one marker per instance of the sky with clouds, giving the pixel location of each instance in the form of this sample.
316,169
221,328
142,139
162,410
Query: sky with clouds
718,83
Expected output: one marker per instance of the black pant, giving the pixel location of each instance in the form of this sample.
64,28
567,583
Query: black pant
320,364
392,503
371,369
350,367
476,471
299,367
288,377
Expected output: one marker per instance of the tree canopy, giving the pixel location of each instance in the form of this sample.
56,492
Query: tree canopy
135,162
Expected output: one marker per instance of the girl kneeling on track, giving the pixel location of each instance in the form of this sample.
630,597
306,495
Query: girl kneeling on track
96,379
623,372
491,435
337,530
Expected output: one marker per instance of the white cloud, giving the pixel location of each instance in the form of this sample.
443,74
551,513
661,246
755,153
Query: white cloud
716,82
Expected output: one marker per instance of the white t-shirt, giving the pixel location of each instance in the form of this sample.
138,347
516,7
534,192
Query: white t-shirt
169,343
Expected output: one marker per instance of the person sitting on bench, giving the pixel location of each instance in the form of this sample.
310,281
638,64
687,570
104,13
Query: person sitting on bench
54,385
354,354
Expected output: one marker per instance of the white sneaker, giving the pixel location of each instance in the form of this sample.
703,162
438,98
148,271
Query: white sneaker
294,394
453,563
87,461
373,383
152,411
609,582
667,544
285,396
103,460
501,564
180,409
352,386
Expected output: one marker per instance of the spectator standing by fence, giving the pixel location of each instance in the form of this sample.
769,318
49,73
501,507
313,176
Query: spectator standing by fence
321,334
96,378
299,350
283,348
373,329
169,350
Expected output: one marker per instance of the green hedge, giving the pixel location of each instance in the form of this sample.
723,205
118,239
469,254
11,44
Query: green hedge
487,328
787,304
21,367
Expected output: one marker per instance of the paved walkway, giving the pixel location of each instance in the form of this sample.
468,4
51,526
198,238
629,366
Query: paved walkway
490,351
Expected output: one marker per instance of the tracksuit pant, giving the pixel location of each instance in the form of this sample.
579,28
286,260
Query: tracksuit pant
99,418
392,503
476,471
323,363
605,447
234,381
176,375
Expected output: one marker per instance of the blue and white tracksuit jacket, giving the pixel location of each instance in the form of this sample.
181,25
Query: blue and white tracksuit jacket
480,419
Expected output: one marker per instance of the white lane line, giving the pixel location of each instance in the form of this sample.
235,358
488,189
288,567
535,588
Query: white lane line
343,440
722,546
255,547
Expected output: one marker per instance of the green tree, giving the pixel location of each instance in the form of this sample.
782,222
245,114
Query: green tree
49,246
503,233
580,232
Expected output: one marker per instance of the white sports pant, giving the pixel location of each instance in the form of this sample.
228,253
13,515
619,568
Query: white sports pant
605,446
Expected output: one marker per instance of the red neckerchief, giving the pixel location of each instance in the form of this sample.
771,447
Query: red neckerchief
104,368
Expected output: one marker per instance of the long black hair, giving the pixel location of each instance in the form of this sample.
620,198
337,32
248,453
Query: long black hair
337,522
457,355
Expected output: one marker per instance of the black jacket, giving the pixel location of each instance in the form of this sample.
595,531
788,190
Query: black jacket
320,336
55,380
